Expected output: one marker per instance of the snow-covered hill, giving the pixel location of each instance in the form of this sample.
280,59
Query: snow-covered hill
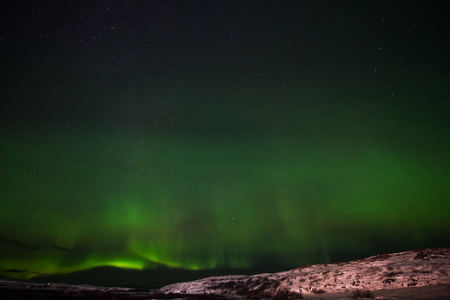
419,274
386,271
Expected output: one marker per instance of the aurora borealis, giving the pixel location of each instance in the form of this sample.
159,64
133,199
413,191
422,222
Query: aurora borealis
222,136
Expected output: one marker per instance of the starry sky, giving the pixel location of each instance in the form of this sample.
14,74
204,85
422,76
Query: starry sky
148,142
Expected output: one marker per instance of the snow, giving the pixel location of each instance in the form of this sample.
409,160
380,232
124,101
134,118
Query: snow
405,274
388,271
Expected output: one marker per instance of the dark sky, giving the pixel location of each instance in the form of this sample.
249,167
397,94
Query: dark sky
173,136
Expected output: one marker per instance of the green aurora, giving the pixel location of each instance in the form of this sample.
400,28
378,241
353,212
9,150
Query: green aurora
140,201
259,142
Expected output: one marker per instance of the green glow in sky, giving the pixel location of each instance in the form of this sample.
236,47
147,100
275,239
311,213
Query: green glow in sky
141,201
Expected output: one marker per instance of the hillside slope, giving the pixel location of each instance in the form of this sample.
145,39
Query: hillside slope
416,268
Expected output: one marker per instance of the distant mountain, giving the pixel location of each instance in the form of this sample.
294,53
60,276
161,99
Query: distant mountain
398,273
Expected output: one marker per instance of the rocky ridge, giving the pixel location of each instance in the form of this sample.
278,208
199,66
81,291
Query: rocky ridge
416,268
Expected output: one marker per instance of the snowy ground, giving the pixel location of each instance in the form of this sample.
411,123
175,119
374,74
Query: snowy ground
418,274
419,268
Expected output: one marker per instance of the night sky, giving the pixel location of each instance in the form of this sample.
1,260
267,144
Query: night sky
172,139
